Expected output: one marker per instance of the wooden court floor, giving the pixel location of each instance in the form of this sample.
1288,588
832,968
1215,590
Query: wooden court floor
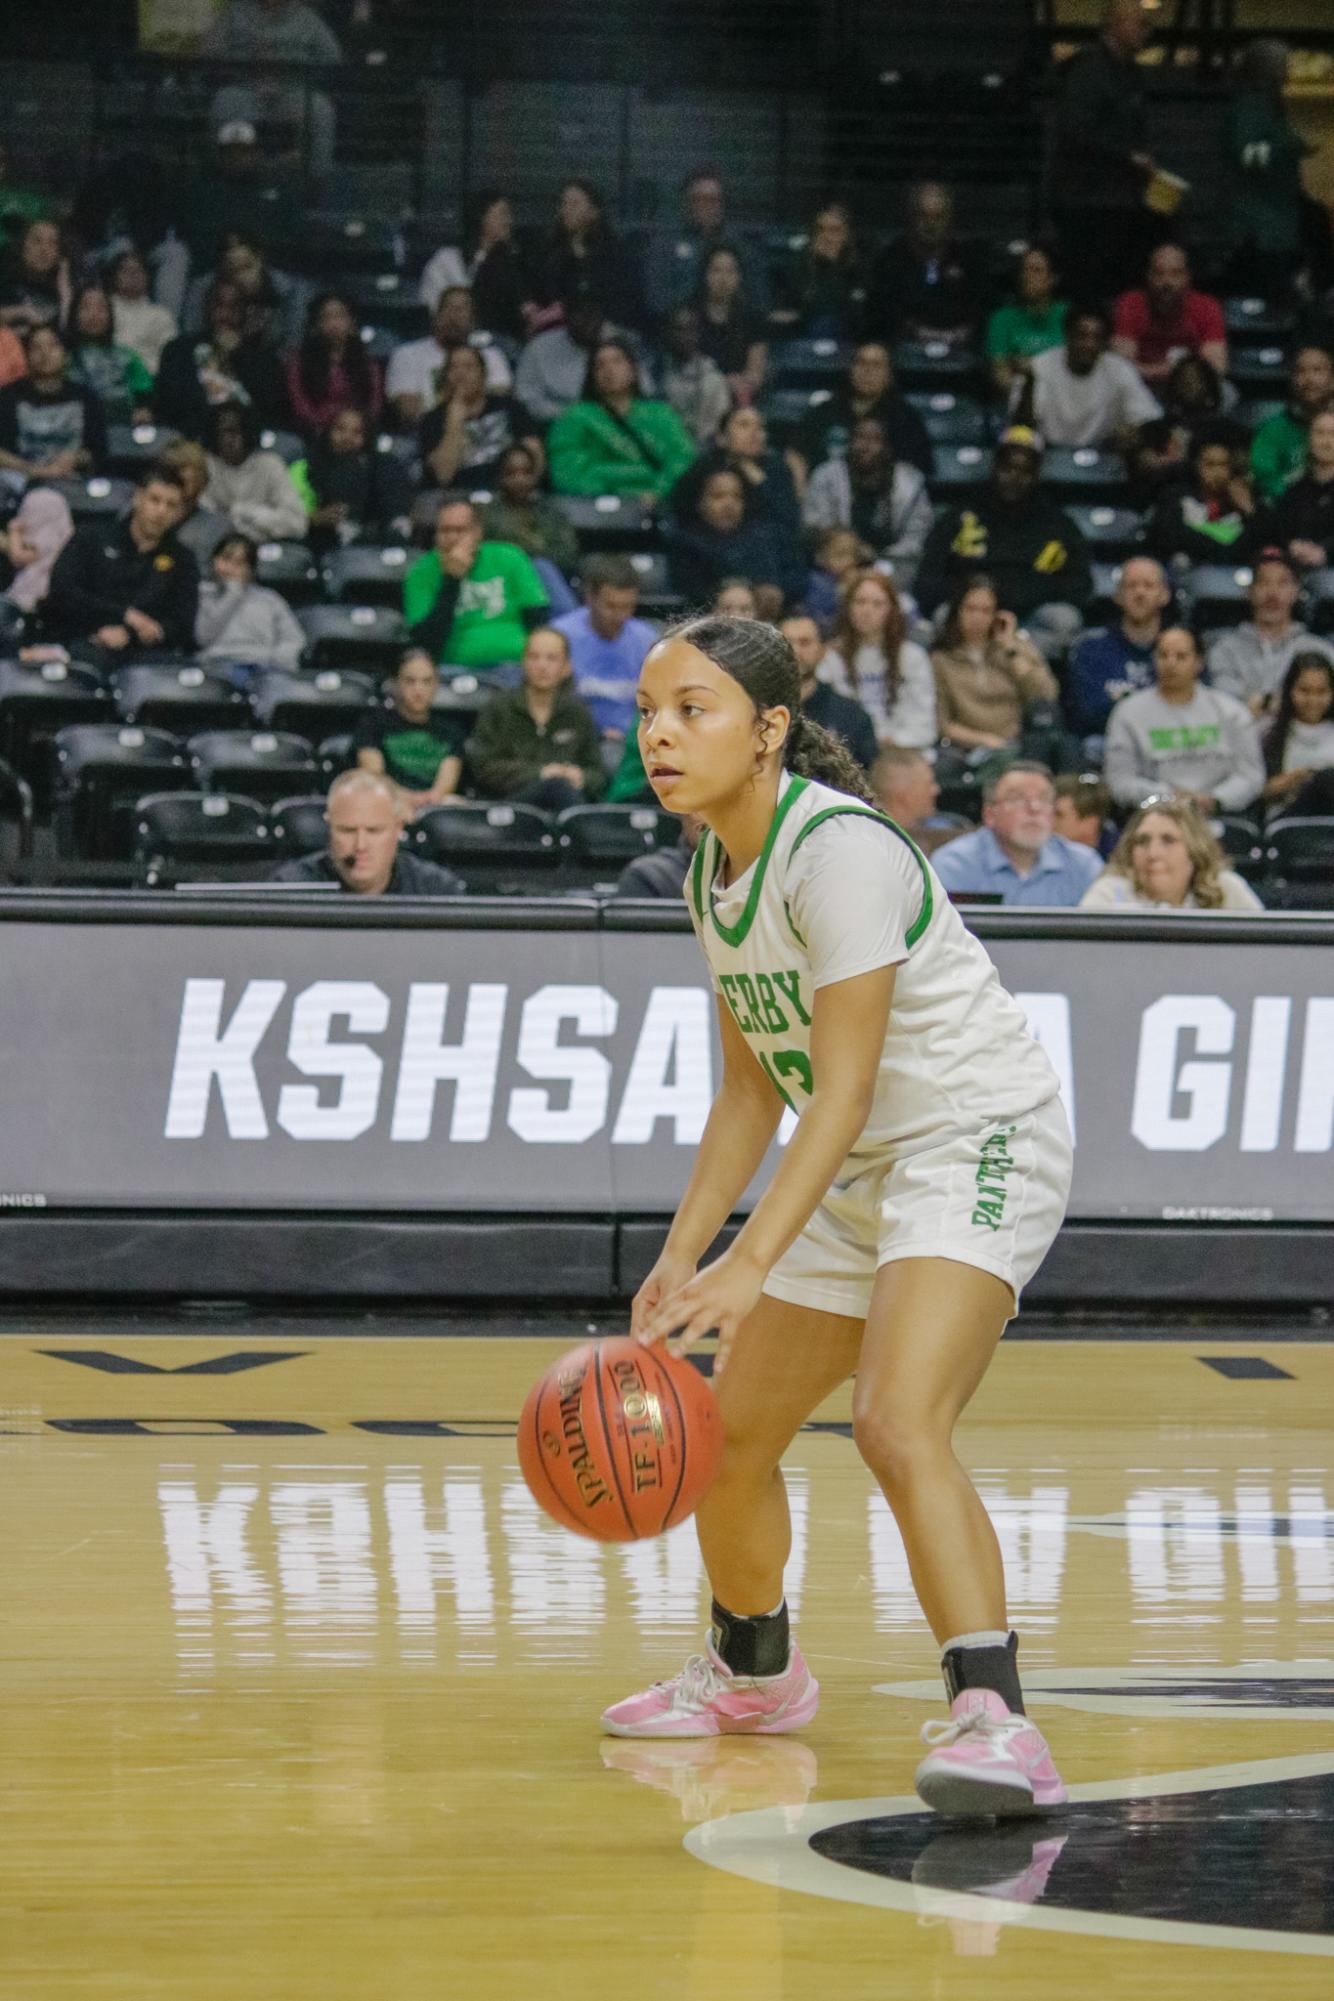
301,1693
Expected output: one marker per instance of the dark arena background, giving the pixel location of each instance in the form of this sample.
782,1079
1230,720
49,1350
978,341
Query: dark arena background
362,363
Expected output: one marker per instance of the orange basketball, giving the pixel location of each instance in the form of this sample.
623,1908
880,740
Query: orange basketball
618,1441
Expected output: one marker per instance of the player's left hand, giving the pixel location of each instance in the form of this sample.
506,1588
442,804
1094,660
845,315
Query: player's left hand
719,1296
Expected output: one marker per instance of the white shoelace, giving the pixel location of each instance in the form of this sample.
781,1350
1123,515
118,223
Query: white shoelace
698,1681
976,1722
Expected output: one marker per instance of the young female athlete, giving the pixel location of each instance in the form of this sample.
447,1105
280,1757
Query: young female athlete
924,1182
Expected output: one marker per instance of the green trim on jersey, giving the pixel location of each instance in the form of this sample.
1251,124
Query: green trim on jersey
734,934
923,917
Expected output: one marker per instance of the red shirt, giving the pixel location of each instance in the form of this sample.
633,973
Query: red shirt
1200,319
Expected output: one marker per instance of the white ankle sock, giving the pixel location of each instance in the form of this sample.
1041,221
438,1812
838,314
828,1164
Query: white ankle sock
993,1639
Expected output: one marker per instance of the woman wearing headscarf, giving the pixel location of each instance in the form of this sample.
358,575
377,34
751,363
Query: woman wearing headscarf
31,543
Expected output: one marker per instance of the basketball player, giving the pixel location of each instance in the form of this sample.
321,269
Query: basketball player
925,1180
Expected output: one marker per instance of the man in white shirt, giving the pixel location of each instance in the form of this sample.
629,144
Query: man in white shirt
1082,394
417,368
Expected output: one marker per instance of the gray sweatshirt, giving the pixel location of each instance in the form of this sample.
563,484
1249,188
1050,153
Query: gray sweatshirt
1210,744
903,518
247,622
1245,664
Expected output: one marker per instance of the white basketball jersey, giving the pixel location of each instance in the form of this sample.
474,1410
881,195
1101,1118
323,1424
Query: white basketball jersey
957,1052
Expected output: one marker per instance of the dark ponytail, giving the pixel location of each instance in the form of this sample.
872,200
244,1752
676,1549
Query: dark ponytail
759,659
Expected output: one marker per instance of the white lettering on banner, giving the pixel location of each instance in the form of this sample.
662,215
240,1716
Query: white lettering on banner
1048,1018
205,1050
1315,1093
541,1053
671,1074
366,1011
472,1064
1158,1078
1266,1068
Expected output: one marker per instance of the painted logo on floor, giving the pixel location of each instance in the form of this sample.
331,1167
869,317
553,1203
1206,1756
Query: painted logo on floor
1293,1691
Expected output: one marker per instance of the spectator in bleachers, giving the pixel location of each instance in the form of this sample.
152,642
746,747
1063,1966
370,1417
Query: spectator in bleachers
51,427
1156,459
1016,854
837,553
35,536
731,333
251,487
742,446
468,602
884,502
1249,662
553,367
871,658
127,586
820,700
663,872
240,620
607,643
1109,661
924,288
1164,318
824,288
990,678
1299,743
905,786
233,198
463,436
331,370
520,514
269,36
735,598
720,539
1268,209
13,361
675,259
198,528
272,302
1280,447
1101,164
581,253
364,856
1214,517
35,285
615,439
492,263
1180,737
1082,394
350,490
868,392
224,364
138,321
115,374
1303,519
1083,812
1029,323
417,746
692,381
1027,543
416,369
538,743
1168,859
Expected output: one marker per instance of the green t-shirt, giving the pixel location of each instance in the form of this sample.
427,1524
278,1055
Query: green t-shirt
488,622
1018,329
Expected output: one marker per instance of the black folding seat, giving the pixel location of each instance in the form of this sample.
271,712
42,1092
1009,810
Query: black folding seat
184,835
315,705
102,770
258,764
498,849
181,697
37,700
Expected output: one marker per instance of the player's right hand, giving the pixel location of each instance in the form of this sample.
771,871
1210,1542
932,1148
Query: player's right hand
668,1275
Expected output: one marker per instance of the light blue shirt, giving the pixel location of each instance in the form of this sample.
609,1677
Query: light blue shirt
606,671
1058,878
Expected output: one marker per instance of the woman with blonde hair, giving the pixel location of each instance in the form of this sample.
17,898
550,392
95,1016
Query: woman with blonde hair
871,659
1167,859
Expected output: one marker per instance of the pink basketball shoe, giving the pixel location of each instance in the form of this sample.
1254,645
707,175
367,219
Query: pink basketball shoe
987,1760
707,1700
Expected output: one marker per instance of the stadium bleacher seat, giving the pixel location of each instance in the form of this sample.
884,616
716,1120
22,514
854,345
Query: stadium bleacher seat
130,447
342,242
93,499
1258,320
463,695
365,574
37,700
960,469
1102,607
657,599
495,846
1242,841
290,569
311,705
933,364
289,445
951,419
16,804
103,769
1300,849
388,299
1083,472
182,698
596,842
608,520
1216,596
261,764
1319,590
1258,370
807,364
298,825
192,833
333,754
357,636
785,410
1112,533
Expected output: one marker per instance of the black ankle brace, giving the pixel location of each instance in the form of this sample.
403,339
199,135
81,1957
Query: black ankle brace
751,1646
996,1668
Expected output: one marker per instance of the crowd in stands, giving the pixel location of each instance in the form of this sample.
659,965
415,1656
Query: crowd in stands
1043,553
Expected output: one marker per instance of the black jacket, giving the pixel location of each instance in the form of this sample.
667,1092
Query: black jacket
1305,513
1100,121
663,873
411,876
179,399
1034,554
99,575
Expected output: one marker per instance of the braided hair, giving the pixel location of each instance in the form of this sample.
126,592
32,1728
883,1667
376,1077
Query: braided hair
759,659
